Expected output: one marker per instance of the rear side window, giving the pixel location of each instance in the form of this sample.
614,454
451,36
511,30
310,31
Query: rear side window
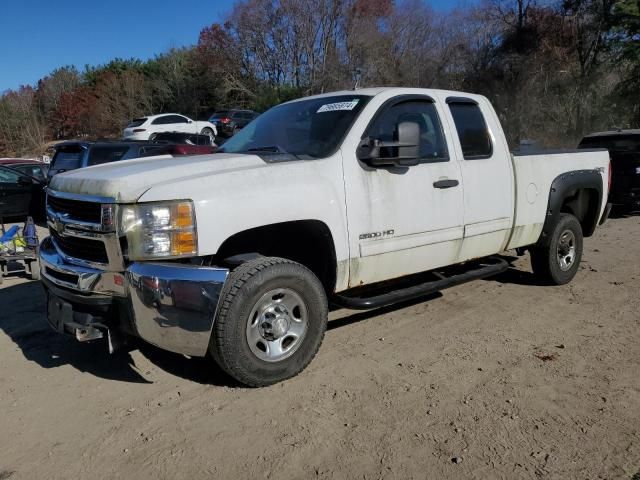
67,158
472,131
433,147
137,122
221,114
100,155
169,119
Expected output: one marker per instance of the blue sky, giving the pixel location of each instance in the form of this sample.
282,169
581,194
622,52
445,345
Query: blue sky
36,36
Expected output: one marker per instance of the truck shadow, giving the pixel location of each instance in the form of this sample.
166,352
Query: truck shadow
362,315
22,318
618,211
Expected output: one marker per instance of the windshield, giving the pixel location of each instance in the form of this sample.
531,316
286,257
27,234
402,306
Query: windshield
307,129
613,143
137,122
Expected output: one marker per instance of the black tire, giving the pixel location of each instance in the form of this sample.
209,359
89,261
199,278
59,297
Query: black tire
546,261
245,287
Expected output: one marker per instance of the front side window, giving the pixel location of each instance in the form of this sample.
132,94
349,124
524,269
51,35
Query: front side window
472,131
433,146
305,129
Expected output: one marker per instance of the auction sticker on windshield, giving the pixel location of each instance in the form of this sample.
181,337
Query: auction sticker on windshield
333,107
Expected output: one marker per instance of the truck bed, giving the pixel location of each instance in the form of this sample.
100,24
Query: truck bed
534,173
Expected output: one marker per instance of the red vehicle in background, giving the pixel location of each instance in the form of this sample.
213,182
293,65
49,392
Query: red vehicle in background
33,168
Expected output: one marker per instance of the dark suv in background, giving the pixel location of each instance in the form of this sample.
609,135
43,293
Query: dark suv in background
228,122
73,155
624,151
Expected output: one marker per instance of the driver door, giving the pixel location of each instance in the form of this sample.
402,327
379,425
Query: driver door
404,220
15,193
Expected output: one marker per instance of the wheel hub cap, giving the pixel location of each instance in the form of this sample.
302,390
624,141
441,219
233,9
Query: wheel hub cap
277,325
566,250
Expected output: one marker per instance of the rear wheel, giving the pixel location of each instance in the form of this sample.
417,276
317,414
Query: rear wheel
558,262
210,134
271,321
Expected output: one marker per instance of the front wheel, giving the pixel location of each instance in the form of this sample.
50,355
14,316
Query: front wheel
270,323
558,262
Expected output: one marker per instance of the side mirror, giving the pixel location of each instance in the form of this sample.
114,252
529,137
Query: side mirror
405,152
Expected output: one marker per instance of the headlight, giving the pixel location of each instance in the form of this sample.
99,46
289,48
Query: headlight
638,170
162,229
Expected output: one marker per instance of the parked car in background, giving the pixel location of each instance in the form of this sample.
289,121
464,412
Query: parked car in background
33,168
229,122
146,128
184,139
72,155
20,194
624,151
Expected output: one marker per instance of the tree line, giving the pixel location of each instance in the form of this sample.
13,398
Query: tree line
554,70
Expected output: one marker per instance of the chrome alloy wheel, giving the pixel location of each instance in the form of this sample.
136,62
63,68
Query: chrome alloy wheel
277,325
566,250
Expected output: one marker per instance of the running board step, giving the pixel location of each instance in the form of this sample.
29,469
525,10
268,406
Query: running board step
488,267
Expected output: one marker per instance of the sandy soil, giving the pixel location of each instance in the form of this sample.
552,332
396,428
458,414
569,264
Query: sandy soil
510,379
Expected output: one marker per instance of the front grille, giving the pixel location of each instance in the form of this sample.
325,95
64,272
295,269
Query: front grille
76,209
81,248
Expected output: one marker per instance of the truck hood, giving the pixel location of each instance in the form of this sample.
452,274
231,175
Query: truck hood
126,181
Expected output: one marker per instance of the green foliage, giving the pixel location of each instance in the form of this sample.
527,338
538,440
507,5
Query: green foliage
269,96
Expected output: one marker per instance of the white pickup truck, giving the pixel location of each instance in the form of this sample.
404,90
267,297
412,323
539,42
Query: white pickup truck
331,200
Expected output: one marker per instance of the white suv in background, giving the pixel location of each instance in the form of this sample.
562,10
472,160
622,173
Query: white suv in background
145,128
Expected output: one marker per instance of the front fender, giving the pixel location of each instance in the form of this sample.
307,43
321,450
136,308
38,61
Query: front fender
239,200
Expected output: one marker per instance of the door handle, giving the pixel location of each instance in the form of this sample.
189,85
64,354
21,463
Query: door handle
448,183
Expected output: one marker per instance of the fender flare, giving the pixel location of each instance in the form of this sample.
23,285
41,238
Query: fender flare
561,188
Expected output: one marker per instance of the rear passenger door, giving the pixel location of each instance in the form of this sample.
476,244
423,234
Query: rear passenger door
487,174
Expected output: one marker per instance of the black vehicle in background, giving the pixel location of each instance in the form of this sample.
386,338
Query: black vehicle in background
73,155
624,150
21,195
228,122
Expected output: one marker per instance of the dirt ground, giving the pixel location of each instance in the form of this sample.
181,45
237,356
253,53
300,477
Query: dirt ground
499,378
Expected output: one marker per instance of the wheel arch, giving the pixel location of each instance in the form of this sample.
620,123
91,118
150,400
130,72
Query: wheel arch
308,242
578,193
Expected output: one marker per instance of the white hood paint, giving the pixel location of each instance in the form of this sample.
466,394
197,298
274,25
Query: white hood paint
126,181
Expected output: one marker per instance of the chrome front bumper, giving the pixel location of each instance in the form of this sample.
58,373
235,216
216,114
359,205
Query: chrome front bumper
171,305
